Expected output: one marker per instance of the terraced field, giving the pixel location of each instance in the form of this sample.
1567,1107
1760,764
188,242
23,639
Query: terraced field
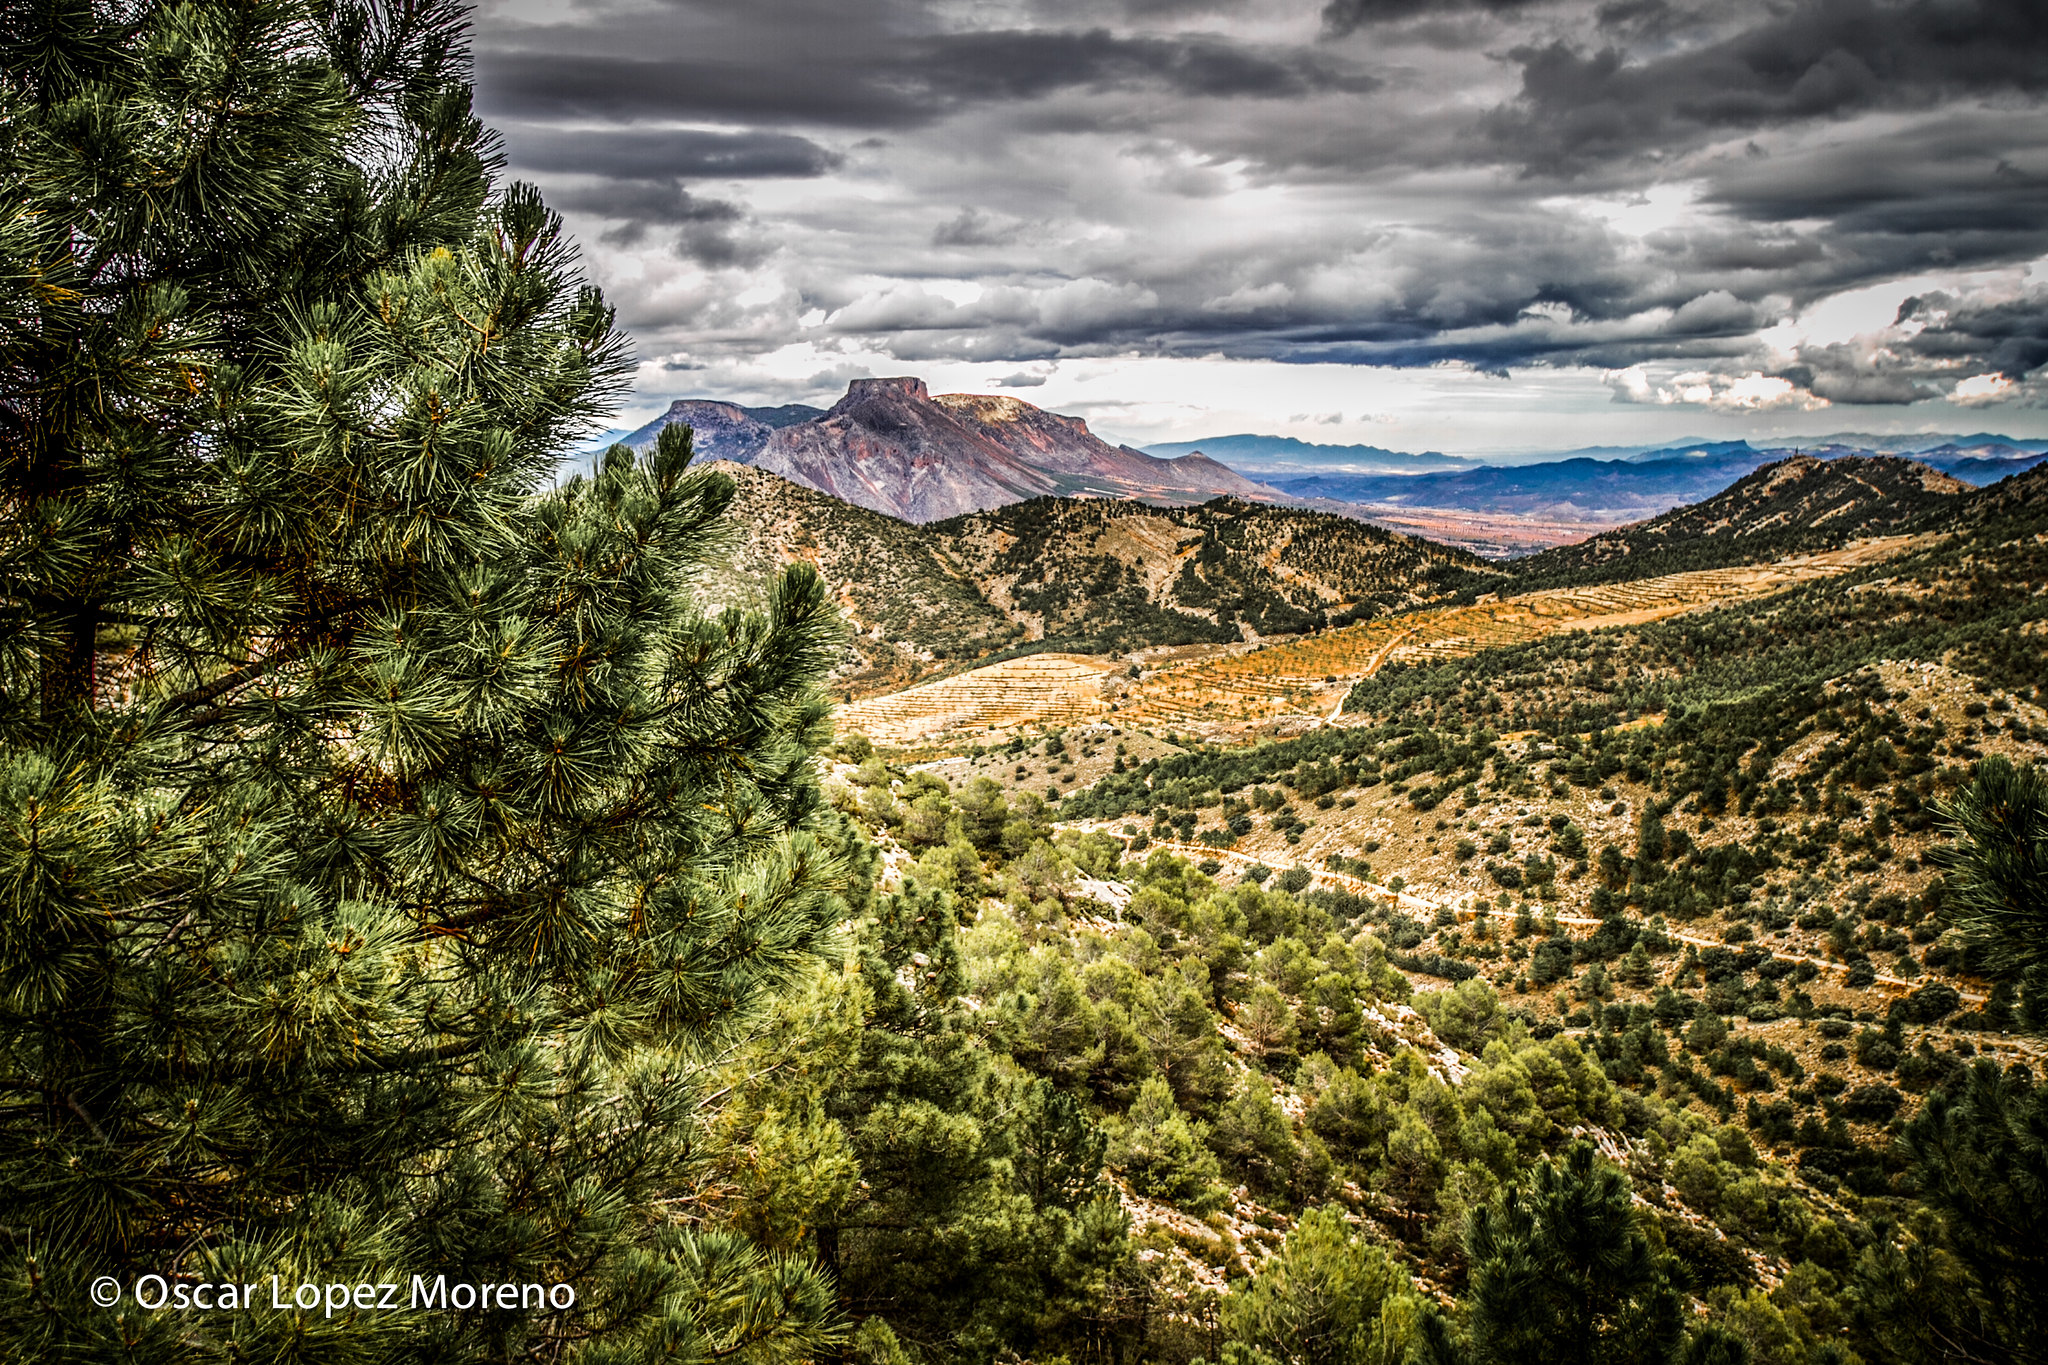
1309,677
1041,689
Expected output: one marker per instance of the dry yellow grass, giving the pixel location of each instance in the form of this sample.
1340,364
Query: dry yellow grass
1041,689
1313,674
1310,676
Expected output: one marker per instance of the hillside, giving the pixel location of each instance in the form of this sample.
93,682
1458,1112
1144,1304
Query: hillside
1673,889
1081,574
1661,898
1793,506
1125,574
910,607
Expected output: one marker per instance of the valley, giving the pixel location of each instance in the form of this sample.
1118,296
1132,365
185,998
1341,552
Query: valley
1342,874
1063,575
1672,843
911,878
1274,688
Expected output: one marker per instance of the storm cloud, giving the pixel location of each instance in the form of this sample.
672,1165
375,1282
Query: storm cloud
1652,189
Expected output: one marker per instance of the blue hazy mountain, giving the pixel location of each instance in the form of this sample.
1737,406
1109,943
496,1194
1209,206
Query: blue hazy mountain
1576,489
1260,455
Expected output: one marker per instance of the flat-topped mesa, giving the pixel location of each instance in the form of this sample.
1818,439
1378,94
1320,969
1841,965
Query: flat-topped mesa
890,446
868,390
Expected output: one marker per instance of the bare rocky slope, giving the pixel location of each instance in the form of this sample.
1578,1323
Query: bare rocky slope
891,447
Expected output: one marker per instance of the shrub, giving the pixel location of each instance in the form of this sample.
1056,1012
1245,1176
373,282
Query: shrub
1872,1103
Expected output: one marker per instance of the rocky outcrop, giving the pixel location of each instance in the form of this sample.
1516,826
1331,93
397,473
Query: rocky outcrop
1084,462
891,447
887,446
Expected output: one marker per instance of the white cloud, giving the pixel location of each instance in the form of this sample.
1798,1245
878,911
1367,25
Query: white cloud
1753,391
1983,389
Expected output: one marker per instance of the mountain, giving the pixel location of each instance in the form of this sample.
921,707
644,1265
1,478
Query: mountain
891,447
1575,489
1277,453
787,415
2019,495
1125,574
1722,451
911,608
721,431
1788,507
1084,573
1084,463
724,431
1917,443
1983,463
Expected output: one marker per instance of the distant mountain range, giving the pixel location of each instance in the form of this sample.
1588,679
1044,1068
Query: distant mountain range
891,447
1591,491
1262,455
1792,506
1629,488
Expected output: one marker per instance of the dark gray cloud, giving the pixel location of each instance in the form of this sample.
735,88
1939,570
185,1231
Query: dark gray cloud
1580,107
1341,17
666,153
706,231
1498,183
879,80
2012,334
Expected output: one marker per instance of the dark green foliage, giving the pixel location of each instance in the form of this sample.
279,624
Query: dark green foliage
1971,1282
888,575
1872,1103
1266,568
1997,896
978,1221
1327,1297
387,841
1560,1270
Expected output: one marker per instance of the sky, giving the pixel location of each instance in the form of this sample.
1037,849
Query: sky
1462,225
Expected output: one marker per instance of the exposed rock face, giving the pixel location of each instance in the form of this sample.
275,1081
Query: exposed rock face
888,447
891,447
1065,446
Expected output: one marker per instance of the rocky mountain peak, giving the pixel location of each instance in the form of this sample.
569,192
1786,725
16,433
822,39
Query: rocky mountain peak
863,391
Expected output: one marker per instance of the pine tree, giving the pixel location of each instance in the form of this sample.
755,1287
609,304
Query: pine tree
1325,1298
1560,1271
386,842
1972,1283
980,1224
1998,890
